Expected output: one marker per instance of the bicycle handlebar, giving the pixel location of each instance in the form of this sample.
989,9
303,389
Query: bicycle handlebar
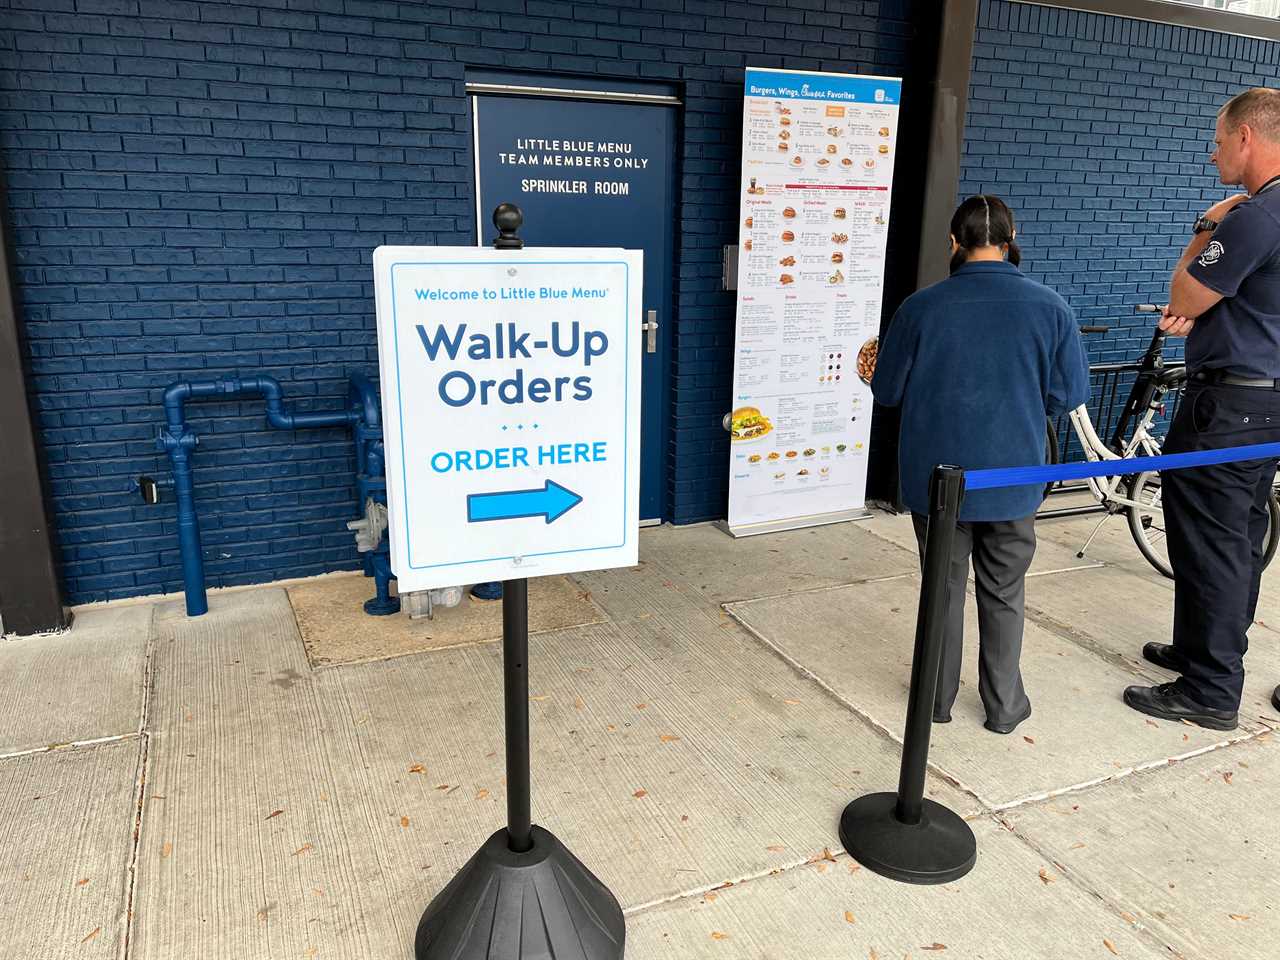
1094,328
1148,308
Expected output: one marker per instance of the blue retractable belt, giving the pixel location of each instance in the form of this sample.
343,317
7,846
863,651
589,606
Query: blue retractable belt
1025,476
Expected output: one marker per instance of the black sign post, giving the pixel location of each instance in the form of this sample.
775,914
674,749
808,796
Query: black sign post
902,835
523,895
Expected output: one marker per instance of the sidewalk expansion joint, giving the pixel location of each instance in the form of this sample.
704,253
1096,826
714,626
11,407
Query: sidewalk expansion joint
809,591
1142,930
866,718
70,745
1127,772
135,850
827,856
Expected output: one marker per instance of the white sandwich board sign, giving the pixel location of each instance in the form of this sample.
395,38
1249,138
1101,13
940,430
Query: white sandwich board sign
511,410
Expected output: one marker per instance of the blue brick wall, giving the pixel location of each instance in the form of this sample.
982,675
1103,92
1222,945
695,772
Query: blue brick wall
1097,130
195,190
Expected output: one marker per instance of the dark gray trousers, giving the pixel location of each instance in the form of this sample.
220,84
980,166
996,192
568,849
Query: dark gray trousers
1002,552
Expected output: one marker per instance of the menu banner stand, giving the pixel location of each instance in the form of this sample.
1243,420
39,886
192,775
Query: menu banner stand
818,153
523,894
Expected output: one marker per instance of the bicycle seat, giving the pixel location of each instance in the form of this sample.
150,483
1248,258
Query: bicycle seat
1171,377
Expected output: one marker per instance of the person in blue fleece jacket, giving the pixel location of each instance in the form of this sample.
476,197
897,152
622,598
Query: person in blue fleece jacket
977,362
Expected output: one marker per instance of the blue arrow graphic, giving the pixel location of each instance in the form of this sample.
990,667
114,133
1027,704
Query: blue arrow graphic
552,502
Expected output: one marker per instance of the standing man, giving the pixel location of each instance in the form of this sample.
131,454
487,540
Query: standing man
1225,299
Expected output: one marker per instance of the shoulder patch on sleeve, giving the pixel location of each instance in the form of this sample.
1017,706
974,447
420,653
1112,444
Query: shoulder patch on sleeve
1211,254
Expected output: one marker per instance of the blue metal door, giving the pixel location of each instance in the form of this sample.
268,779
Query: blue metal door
593,173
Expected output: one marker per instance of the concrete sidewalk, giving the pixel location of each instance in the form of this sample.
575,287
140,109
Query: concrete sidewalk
196,788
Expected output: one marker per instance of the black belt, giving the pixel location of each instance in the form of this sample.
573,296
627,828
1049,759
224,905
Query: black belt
1229,380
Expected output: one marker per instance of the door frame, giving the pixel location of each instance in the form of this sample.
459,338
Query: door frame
480,83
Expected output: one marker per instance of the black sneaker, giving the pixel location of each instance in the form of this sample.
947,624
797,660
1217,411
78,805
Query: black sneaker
1167,702
1162,655
1275,698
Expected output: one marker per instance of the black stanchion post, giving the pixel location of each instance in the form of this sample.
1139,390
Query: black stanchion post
523,895
902,835
515,677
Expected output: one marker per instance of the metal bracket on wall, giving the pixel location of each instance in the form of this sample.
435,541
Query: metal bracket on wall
729,267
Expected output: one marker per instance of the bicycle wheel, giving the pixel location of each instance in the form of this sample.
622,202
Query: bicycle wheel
1050,450
1146,523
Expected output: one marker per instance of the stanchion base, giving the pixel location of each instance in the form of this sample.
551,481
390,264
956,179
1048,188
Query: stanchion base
938,849
543,904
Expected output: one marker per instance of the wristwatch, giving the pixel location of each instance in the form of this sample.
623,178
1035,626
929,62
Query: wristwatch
1203,224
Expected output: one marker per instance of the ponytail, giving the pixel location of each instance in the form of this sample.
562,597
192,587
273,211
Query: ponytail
983,221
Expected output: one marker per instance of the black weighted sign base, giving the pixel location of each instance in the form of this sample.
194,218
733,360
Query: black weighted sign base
938,849
543,904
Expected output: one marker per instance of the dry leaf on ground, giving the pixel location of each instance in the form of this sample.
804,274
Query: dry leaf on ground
1226,776
775,848
640,793
273,813
792,703
1044,876
166,849
935,946
1238,916
824,855
668,738
717,935
849,917
92,934
404,821
303,849
481,794
541,698
1110,946
82,882
417,768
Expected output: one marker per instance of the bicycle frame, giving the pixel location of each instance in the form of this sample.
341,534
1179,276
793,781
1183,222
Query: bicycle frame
1107,490
1153,383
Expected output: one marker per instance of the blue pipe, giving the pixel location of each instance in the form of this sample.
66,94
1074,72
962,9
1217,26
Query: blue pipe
177,439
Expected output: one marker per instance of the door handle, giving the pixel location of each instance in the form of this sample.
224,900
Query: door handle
650,327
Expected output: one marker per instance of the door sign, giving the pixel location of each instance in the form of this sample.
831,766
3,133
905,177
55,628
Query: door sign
511,410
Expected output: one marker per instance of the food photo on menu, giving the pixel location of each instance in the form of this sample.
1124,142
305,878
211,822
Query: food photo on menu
748,423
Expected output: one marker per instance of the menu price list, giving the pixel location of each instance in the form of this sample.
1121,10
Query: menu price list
817,168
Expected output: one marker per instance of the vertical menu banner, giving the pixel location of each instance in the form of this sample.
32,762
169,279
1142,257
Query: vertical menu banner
817,170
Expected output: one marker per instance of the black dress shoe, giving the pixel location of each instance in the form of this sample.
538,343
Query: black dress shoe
1007,727
1275,698
1163,655
1167,702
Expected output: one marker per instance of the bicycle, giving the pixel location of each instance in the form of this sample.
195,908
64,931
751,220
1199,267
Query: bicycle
1139,495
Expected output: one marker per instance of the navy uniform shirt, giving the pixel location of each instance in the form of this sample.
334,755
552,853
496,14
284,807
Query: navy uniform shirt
1240,334
976,362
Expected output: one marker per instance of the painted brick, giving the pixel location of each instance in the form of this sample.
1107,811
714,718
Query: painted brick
1119,148
195,189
